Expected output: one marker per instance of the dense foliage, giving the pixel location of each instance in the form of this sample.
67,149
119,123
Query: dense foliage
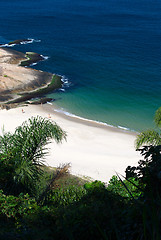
21,154
150,137
58,206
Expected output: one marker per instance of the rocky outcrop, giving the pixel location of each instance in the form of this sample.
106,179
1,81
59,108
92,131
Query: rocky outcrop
19,83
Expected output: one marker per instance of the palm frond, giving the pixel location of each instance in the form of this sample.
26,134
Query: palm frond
157,117
150,137
24,150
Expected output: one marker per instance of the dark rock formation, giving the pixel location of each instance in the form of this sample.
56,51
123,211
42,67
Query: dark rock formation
41,101
31,58
19,41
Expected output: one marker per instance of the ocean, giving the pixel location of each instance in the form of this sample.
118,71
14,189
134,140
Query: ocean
108,52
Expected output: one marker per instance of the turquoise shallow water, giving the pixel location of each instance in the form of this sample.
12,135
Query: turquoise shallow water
80,102
109,52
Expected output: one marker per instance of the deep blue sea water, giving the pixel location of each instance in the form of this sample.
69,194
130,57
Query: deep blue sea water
109,50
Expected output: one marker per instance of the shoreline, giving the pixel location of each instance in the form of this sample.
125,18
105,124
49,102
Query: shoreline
18,80
37,88
85,121
93,150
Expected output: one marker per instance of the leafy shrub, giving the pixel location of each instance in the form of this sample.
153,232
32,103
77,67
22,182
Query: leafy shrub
124,188
65,196
95,216
147,173
93,186
16,207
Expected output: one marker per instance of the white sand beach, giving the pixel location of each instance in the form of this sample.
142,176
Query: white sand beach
93,150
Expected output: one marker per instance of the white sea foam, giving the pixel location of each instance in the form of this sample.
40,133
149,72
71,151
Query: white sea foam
124,128
4,45
62,89
88,120
29,40
33,64
9,45
66,82
44,57
37,40
91,121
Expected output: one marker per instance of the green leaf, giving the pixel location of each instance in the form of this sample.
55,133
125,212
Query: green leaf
149,137
157,117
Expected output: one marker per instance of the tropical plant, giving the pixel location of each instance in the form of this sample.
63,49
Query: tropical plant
148,174
148,171
125,188
22,153
150,137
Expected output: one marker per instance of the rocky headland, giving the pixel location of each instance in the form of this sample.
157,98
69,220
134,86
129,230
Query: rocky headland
19,83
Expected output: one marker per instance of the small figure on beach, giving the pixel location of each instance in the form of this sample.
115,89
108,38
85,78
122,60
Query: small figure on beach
23,111
49,116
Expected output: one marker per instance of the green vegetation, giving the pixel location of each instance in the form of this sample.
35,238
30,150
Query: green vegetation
5,75
151,137
55,83
21,154
128,188
42,203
